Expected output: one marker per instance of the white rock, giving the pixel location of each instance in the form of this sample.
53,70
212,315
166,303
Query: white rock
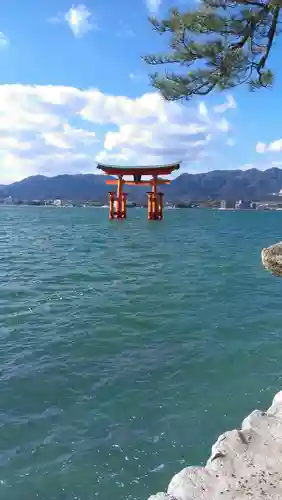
162,496
245,464
272,258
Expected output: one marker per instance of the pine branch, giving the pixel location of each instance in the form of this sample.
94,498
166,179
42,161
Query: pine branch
270,36
224,43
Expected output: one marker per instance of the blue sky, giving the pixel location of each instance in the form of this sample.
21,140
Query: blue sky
73,90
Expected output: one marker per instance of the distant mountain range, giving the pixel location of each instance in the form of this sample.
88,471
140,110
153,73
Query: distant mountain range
251,184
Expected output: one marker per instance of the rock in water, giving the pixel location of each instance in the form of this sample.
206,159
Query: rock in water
272,259
245,464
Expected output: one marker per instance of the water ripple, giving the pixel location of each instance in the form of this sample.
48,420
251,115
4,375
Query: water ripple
125,349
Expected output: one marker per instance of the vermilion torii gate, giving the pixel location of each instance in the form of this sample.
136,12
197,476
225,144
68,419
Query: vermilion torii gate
155,198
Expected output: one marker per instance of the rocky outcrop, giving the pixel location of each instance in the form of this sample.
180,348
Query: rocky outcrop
272,258
245,464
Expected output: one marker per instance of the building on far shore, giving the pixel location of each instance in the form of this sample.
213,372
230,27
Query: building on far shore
238,205
8,200
227,204
245,205
269,205
277,194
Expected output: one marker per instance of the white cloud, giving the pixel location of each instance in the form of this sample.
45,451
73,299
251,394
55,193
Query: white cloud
230,142
69,137
261,147
229,104
154,131
55,129
223,125
273,147
78,19
203,109
3,40
153,5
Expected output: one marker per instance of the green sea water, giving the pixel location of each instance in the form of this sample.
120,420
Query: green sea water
127,347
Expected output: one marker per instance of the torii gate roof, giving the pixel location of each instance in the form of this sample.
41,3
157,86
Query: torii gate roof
139,170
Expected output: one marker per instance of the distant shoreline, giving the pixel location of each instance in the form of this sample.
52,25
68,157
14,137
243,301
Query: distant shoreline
219,209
